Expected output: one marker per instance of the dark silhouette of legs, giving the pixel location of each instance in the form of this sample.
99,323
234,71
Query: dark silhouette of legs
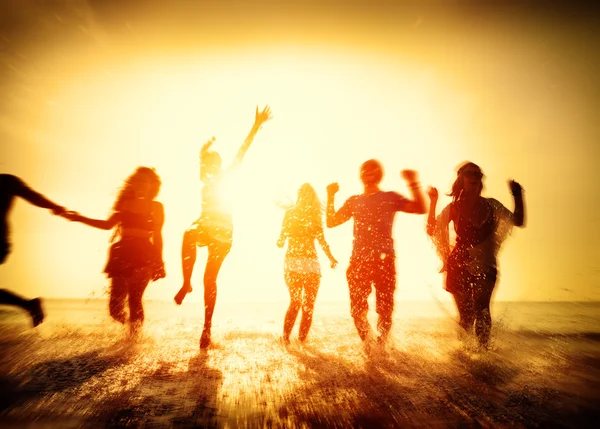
464,304
216,255
116,303
294,284
33,306
137,287
359,284
311,287
385,286
188,259
482,296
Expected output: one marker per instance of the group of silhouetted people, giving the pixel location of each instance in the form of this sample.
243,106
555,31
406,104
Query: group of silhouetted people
135,257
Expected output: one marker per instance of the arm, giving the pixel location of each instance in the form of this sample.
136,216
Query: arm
35,198
336,218
96,223
158,214
260,118
417,204
519,213
325,247
284,231
433,197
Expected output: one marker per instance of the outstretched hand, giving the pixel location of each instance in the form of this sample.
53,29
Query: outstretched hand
432,193
410,176
262,116
71,215
515,188
332,189
58,210
206,146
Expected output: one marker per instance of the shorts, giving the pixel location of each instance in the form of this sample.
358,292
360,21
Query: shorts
364,273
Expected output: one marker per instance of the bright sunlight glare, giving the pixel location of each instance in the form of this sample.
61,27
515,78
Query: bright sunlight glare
331,112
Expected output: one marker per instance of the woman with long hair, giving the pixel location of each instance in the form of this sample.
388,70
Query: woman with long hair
136,257
302,224
214,227
481,225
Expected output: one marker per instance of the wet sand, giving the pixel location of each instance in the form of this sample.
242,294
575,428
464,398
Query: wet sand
91,375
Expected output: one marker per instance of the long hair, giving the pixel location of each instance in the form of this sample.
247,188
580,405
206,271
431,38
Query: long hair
131,189
308,208
458,186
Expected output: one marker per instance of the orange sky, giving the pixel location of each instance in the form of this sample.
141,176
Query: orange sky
93,89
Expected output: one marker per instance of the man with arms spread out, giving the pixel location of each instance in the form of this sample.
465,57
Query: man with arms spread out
373,259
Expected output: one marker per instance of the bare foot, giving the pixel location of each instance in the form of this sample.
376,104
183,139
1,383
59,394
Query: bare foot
185,289
205,338
35,309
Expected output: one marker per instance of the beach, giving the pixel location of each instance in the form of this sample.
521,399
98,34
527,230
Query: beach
80,369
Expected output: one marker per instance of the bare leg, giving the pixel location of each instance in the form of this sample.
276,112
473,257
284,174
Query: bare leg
295,288
464,305
482,298
216,256
33,306
311,287
137,288
188,259
116,303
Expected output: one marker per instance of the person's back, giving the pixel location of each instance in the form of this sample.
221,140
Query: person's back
301,232
373,220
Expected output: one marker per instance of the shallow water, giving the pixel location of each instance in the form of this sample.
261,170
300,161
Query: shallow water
79,369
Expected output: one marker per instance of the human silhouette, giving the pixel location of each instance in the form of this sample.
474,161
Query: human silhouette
214,227
11,187
136,258
372,263
302,225
481,225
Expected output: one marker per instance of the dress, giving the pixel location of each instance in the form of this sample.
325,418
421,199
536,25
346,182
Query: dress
131,255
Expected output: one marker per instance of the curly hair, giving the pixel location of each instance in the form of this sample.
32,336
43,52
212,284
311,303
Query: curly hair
131,187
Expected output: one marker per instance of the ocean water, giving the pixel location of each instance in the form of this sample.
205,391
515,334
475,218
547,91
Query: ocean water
80,369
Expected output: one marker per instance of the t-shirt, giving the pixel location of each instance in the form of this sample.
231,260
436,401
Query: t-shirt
373,220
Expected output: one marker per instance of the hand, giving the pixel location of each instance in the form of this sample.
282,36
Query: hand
58,210
280,242
206,146
515,188
333,262
263,116
433,193
411,176
71,215
332,189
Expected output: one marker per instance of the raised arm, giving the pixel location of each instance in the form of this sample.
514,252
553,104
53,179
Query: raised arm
433,197
336,218
260,118
417,204
35,198
107,224
321,239
519,213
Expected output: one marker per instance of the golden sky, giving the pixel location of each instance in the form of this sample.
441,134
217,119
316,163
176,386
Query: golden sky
90,90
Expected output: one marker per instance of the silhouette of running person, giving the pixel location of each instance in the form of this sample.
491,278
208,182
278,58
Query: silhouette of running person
373,257
136,258
11,187
214,227
302,225
481,225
